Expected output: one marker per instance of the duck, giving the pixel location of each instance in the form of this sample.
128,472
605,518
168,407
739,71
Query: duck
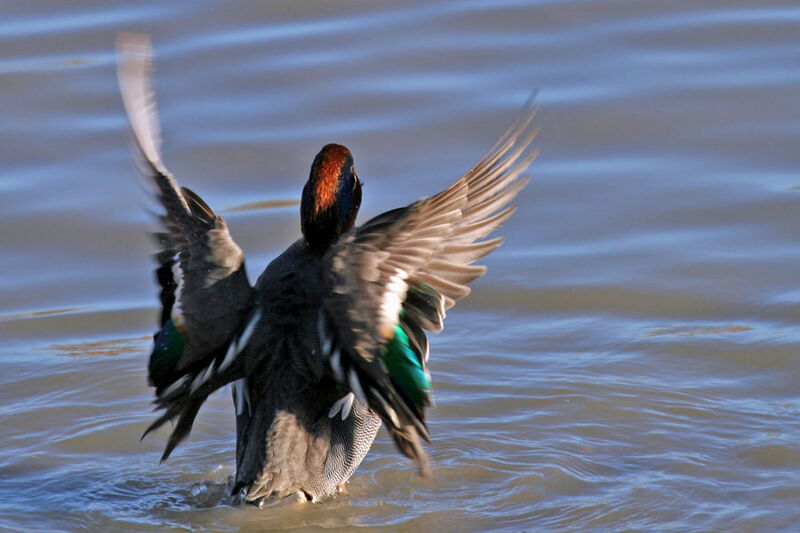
330,343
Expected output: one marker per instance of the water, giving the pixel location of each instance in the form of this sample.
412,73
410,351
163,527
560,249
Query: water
631,360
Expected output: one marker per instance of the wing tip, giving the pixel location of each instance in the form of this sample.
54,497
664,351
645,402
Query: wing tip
135,66
408,442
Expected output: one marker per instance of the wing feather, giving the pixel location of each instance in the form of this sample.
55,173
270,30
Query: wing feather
394,277
205,293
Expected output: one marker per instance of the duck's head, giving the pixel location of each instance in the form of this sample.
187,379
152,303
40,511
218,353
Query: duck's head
331,197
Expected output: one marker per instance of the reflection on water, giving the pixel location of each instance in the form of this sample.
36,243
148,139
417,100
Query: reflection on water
34,314
254,206
99,348
691,331
630,360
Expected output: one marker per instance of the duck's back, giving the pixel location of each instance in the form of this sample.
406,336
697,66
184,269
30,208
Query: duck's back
286,441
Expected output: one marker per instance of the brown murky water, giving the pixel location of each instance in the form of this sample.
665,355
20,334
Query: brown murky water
630,362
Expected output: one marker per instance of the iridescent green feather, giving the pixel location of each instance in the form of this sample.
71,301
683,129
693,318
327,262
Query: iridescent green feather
168,348
405,368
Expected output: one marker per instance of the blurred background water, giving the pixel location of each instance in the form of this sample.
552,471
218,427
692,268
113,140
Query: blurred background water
631,360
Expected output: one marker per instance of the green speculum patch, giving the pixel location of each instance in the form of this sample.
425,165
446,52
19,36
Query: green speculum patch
405,368
166,352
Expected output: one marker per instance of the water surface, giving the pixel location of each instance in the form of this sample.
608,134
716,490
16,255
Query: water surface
630,362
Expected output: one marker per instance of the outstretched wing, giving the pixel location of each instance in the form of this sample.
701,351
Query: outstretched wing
205,293
393,278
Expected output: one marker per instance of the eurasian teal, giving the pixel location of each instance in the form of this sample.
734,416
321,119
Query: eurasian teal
331,340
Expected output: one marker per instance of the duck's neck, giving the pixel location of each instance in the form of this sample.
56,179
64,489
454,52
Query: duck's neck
331,197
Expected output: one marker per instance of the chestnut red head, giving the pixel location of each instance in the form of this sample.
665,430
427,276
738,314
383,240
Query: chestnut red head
331,197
